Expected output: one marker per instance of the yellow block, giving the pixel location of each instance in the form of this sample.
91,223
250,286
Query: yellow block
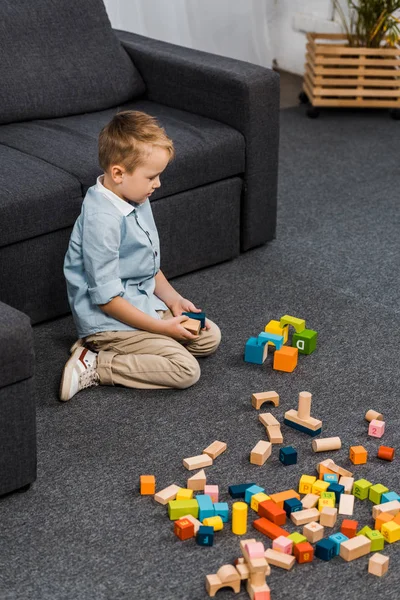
325,502
257,498
184,494
320,486
306,483
391,532
239,518
275,327
215,522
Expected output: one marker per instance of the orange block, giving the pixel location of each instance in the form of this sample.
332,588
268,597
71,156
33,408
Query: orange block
271,511
280,498
323,470
358,455
386,453
147,485
303,552
184,529
381,519
269,529
397,519
285,359
349,528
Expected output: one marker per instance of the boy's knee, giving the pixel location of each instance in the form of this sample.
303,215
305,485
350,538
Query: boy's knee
189,372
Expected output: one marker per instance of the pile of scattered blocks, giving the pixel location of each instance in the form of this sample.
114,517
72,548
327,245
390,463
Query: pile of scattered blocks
276,333
315,507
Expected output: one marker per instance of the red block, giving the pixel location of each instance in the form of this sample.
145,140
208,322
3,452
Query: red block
184,529
386,453
303,552
349,528
268,528
271,511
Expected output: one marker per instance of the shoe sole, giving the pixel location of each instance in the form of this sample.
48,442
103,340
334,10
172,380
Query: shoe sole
66,378
75,345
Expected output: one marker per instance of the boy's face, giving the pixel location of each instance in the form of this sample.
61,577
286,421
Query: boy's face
145,179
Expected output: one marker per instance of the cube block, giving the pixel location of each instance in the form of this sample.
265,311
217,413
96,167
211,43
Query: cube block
285,359
376,491
358,455
376,428
303,552
288,455
361,489
147,485
305,341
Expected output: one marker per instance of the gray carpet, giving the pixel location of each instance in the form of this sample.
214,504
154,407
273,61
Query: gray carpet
83,531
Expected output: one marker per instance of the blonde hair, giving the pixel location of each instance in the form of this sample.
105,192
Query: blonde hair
125,140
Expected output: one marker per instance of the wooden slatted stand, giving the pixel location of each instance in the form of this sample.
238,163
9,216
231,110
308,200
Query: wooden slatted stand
339,75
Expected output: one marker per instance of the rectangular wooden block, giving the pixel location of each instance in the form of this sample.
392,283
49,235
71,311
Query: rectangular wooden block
167,494
260,453
302,517
257,400
192,325
280,497
193,520
197,462
392,507
355,548
274,434
268,419
310,501
347,482
328,516
346,504
215,449
310,423
279,559
268,528
378,564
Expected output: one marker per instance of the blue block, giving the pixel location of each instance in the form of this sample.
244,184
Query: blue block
205,536
265,336
238,491
337,539
292,505
206,507
331,477
222,509
254,489
338,489
325,549
200,316
389,496
288,455
253,353
301,428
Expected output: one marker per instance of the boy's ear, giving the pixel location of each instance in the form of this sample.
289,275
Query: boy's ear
117,173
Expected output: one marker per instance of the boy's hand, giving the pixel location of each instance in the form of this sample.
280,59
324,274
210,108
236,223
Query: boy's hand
181,305
174,329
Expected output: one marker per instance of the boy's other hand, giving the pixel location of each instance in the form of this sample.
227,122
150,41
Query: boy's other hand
181,305
174,329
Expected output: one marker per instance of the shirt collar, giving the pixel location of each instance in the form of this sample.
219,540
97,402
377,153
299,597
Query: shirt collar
125,207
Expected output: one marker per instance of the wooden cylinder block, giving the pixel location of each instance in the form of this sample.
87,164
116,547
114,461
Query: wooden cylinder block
304,409
239,518
373,414
325,444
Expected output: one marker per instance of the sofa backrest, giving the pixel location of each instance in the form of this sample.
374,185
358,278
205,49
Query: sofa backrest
61,57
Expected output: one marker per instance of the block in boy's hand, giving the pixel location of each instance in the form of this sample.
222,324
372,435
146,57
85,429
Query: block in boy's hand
192,325
200,316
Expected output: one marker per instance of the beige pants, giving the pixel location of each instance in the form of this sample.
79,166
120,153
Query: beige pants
140,359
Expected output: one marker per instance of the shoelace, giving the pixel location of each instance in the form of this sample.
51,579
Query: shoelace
89,377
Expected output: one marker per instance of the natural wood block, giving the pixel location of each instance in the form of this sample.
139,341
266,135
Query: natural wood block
378,564
197,462
227,576
302,517
348,483
268,419
274,434
197,482
326,444
257,400
373,414
167,494
192,519
392,507
355,548
310,501
260,453
279,559
192,325
334,468
328,516
309,423
346,504
313,531
215,449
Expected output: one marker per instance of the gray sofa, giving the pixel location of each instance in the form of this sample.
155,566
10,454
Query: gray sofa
64,73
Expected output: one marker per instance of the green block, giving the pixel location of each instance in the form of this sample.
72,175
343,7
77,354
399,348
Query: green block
298,324
329,496
364,531
361,489
306,341
180,508
376,491
297,538
377,540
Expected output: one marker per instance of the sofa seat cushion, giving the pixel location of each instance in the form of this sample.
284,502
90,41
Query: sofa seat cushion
17,354
61,57
35,197
206,150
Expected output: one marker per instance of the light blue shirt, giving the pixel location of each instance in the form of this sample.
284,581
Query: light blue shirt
114,250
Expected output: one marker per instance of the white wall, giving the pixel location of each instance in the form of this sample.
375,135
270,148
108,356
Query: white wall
257,31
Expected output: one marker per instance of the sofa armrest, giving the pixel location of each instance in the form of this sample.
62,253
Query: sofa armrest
17,354
237,93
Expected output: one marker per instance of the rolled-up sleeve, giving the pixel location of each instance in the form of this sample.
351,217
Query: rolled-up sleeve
101,240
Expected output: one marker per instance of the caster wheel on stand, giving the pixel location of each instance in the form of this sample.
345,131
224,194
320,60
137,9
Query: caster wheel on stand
303,98
395,114
312,112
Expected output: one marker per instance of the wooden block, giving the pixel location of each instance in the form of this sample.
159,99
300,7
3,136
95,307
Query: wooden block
212,491
268,528
286,359
298,324
346,504
197,481
391,531
256,499
180,508
313,531
279,559
226,576
302,517
215,449
268,419
386,453
280,497
328,516
378,564
215,522
310,423
376,428
197,462
184,494
355,548
147,485
239,518
326,444
373,414
192,325
334,468
167,494
184,529
271,511
303,552
310,501
282,544
320,486
274,327
392,507
274,434
358,455
192,519
349,528
348,483
306,483
260,453
257,400
383,518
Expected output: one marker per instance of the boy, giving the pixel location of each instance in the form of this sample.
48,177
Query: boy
128,316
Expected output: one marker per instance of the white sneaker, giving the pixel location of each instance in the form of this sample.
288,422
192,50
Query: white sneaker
79,373
78,344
